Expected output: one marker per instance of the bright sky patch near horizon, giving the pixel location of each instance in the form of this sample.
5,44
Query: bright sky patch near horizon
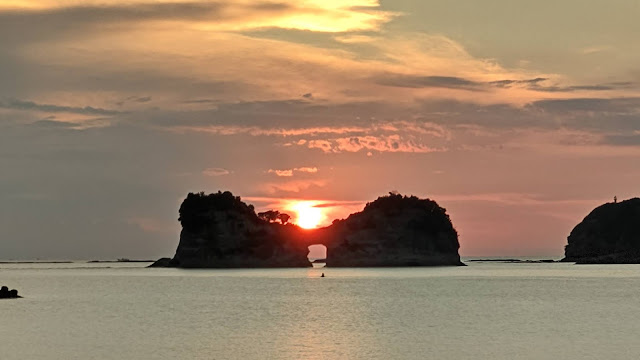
518,117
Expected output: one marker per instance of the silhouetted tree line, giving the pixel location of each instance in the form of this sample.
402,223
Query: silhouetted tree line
273,215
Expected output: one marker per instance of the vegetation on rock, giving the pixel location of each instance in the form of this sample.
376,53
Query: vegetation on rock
394,230
219,230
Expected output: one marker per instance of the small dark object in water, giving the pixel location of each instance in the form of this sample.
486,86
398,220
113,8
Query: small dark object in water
322,275
5,293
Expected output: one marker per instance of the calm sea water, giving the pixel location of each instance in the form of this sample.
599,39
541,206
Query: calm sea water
482,311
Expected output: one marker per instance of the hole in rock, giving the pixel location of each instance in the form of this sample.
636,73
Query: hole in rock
317,255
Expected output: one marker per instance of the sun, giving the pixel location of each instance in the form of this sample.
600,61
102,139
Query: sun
309,216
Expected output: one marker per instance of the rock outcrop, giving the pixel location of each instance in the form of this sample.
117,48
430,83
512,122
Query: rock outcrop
610,234
221,231
393,230
5,293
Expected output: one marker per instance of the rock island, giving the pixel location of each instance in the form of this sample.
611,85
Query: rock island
610,234
219,230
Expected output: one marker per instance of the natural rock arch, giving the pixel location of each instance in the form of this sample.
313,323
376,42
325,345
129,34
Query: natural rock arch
219,230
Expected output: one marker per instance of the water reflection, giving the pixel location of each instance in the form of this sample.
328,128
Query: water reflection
326,323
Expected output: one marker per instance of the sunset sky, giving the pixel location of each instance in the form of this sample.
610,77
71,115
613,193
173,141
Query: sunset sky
517,117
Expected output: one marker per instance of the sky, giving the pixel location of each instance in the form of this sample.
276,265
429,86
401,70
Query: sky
518,117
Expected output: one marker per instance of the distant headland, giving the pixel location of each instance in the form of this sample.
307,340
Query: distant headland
219,230
610,234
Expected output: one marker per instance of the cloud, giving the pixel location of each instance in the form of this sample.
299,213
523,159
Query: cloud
453,82
294,186
266,131
30,105
200,101
391,143
215,172
537,84
283,173
609,105
622,140
595,49
572,88
162,63
135,99
50,123
412,81
311,170
354,39
309,15
282,118
419,127
459,83
290,172
509,83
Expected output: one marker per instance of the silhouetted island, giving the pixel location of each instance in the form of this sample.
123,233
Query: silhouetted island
610,234
5,293
221,231
121,260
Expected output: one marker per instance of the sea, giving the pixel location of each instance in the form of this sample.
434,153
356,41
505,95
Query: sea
486,310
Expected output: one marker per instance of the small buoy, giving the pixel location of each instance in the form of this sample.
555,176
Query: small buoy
322,275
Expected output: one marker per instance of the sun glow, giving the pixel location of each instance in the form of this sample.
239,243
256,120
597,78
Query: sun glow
308,216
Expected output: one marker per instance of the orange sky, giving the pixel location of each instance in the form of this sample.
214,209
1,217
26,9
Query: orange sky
519,119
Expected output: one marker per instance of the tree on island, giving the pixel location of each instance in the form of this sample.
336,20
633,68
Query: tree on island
284,218
273,215
269,215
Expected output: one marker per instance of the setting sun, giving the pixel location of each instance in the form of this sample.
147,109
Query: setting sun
308,216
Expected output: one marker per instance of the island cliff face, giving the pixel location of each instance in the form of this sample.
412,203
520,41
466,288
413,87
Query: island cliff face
221,231
394,230
610,234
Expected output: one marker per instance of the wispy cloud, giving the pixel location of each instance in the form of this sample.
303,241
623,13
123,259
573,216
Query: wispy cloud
421,128
282,173
453,82
391,143
508,83
49,108
413,81
134,99
215,172
290,172
604,105
294,186
595,49
622,139
310,15
311,170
